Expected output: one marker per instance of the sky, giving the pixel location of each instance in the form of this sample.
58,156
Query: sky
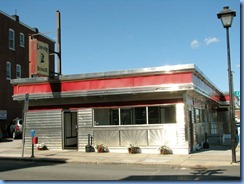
111,35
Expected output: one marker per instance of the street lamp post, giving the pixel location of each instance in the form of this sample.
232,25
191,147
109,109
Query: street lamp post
226,16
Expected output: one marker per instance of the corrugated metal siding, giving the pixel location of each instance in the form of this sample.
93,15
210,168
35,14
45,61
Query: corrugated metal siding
134,137
108,137
84,127
47,126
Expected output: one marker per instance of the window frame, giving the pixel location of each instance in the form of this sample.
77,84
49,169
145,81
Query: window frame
11,39
18,70
8,70
22,39
132,116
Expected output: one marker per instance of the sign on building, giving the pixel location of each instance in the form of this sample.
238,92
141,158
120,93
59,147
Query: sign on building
39,58
3,114
237,94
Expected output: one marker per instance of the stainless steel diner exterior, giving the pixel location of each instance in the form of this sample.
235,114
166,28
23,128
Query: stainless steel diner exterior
175,105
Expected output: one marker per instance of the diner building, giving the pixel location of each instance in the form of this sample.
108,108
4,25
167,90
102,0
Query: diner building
176,106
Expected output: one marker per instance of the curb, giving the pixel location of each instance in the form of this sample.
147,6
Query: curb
63,160
57,160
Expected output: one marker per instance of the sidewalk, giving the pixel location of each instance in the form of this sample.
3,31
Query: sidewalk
213,157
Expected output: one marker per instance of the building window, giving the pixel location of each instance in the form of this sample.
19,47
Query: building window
106,117
169,114
161,114
11,39
135,115
140,115
198,115
8,70
114,117
18,71
22,39
126,116
154,115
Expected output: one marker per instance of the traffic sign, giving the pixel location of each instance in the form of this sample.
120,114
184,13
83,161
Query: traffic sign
237,93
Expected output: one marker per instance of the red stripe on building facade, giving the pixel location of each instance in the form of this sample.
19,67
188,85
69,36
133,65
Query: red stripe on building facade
101,84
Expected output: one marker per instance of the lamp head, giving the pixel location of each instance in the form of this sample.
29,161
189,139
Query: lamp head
226,16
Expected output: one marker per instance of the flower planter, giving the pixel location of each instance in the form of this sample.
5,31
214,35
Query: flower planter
134,150
102,149
41,146
44,148
164,150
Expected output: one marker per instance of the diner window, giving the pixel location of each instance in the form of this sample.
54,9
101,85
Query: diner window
204,115
135,115
114,117
140,115
22,39
154,115
198,116
214,116
161,114
126,116
106,117
11,39
168,114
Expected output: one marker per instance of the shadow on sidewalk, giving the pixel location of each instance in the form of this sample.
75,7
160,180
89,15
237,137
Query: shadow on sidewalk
214,148
182,178
8,164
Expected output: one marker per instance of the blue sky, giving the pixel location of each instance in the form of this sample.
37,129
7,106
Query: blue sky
105,35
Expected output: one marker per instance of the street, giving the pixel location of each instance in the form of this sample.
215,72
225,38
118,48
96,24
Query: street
31,170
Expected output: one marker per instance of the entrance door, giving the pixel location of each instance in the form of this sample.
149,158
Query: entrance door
191,132
70,130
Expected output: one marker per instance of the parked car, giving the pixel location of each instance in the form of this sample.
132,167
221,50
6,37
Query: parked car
1,135
16,128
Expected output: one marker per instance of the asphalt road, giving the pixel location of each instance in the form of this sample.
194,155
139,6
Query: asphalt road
30,170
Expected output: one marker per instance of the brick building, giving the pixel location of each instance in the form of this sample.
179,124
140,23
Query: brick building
14,62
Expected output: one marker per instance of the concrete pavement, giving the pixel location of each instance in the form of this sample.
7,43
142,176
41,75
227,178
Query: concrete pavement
212,157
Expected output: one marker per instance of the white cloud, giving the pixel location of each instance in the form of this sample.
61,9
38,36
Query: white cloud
211,40
195,44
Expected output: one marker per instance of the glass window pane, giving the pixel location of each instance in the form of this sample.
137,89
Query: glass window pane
126,116
170,114
114,115
8,70
73,126
197,116
22,39
11,39
18,71
67,120
140,115
167,114
153,115
101,117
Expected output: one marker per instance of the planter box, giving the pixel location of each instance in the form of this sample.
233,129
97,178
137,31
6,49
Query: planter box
134,150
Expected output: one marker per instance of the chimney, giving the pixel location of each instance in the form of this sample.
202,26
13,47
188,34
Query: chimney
35,29
15,17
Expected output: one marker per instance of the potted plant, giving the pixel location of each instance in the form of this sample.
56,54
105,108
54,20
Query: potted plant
134,149
41,146
164,150
102,148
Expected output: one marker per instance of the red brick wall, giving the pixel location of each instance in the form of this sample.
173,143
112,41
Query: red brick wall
18,56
